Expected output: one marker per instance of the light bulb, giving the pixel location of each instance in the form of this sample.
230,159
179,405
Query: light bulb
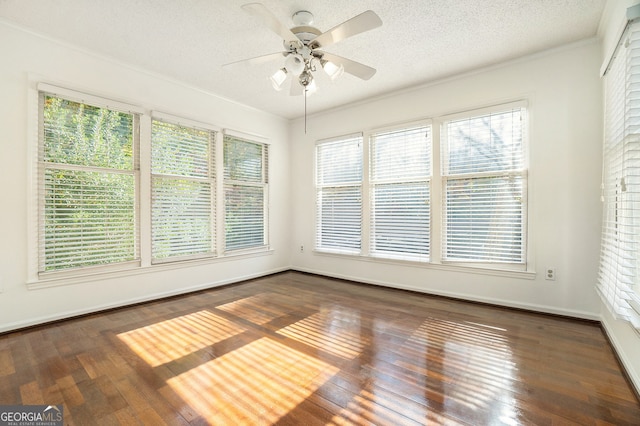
294,64
333,71
278,78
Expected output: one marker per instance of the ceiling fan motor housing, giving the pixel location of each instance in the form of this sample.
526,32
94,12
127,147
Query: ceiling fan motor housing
302,17
305,33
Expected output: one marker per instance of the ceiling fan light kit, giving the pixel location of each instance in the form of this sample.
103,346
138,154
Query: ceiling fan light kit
333,71
303,46
278,78
295,64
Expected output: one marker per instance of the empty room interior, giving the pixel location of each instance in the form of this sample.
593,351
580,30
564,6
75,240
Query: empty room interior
320,212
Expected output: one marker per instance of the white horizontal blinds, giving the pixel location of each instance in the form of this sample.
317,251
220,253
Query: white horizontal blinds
400,175
245,192
339,194
182,191
87,184
484,188
618,280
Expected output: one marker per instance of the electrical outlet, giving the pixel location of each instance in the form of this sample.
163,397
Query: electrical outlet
301,249
550,274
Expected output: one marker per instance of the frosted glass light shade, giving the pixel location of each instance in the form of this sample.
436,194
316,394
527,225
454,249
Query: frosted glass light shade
333,71
278,78
294,64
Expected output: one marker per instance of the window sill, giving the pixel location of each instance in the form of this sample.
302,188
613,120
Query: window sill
78,277
476,270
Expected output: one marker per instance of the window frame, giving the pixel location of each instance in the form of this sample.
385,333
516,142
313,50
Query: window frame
263,184
40,167
525,270
618,283
372,182
214,135
358,184
144,263
523,173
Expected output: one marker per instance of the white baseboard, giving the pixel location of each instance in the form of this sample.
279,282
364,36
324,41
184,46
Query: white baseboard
632,374
463,296
147,298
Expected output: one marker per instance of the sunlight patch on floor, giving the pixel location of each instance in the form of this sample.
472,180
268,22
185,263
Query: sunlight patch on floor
172,339
473,364
255,384
324,331
255,308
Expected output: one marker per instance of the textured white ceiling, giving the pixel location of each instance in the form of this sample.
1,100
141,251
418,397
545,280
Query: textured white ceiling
419,41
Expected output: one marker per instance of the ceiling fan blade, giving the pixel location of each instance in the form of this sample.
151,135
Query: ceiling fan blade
352,67
269,19
258,59
358,24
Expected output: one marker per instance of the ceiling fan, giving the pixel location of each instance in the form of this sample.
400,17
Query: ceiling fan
303,44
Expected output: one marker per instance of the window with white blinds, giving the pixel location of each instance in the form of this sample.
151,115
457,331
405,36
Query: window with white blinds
619,273
339,194
384,207
118,187
87,185
484,187
182,191
245,193
400,170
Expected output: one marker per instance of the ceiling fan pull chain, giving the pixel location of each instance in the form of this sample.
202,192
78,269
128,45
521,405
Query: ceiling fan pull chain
305,110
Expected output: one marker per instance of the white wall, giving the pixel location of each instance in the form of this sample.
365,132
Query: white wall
624,338
565,104
24,57
564,91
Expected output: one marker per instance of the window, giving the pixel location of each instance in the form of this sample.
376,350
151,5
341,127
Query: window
183,190
619,274
448,190
339,194
87,173
120,188
484,183
400,201
245,193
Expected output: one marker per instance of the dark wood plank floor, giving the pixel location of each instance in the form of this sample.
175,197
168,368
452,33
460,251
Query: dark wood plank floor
304,350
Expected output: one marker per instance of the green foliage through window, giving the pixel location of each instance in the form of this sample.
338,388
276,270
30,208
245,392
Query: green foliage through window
90,184
88,210
80,134
183,190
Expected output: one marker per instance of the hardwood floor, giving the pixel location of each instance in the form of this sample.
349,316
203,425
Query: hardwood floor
304,350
